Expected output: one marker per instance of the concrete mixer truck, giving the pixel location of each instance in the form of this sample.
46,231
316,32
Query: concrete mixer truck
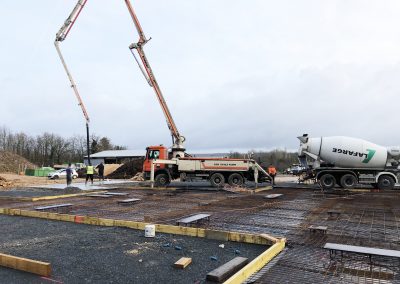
346,161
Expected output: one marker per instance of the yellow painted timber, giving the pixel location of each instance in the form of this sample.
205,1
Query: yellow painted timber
106,222
15,211
25,264
263,188
168,229
258,263
51,197
269,238
178,230
130,224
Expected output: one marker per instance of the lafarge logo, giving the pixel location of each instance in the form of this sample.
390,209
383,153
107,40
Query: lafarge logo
368,156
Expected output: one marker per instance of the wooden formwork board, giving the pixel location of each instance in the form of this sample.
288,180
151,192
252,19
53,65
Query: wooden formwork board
25,264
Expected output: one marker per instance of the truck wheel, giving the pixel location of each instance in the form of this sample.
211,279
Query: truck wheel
348,181
217,180
161,180
235,179
327,181
386,182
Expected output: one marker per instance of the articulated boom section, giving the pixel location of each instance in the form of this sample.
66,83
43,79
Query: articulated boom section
70,21
178,149
60,36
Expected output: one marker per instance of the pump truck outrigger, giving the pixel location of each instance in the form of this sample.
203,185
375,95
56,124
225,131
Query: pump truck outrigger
162,166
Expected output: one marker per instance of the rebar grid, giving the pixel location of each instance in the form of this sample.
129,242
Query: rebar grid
361,219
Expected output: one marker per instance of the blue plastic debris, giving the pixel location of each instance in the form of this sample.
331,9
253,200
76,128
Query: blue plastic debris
166,245
237,251
214,258
178,248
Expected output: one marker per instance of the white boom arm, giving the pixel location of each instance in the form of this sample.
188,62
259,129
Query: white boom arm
60,36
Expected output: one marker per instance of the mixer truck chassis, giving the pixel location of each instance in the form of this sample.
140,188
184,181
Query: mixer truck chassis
348,178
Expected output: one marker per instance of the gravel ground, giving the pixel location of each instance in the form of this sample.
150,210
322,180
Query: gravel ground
90,254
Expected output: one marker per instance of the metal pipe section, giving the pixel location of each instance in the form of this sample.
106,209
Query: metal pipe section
73,85
88,143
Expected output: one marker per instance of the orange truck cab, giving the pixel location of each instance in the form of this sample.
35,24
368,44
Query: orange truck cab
154,153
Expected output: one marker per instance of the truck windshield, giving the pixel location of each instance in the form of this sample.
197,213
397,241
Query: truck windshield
153,154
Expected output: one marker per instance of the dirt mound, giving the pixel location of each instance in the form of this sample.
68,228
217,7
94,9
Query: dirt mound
11,163
4,182
127,170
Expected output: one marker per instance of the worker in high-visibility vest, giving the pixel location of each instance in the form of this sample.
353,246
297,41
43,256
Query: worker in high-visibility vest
272,173
89,173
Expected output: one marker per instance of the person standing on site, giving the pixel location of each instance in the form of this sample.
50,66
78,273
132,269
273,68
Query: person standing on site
69,175
89,173
100,169
272,173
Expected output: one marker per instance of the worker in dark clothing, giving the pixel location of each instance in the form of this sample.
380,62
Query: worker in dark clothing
69,175
100,169
89,173
272,173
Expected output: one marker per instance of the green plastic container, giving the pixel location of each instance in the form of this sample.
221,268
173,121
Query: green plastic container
40,172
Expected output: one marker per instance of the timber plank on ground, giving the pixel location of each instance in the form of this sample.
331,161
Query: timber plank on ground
183,262
25,264
116,193
193,219
128,201
55,206
99,195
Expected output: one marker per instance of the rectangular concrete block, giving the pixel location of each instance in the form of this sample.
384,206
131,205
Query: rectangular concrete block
226,270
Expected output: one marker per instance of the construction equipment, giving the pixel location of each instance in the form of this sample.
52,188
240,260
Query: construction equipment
60,36
347,161
178,149
161,166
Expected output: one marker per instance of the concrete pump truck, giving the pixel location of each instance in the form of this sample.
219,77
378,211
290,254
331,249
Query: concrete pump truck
162,165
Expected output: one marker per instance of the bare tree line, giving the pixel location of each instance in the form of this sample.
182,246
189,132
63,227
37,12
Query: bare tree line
281,159
48,149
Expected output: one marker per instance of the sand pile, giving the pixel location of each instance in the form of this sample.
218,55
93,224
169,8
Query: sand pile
11,163
128,170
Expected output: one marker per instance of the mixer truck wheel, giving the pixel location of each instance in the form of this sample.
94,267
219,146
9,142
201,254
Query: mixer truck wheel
161,180
217,180
327,181
386,182
235,179
348,181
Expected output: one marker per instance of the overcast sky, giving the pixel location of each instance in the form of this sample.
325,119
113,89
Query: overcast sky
236,74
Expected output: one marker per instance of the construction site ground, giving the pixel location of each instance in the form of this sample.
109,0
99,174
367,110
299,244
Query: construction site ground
27,181
361,217
91,254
